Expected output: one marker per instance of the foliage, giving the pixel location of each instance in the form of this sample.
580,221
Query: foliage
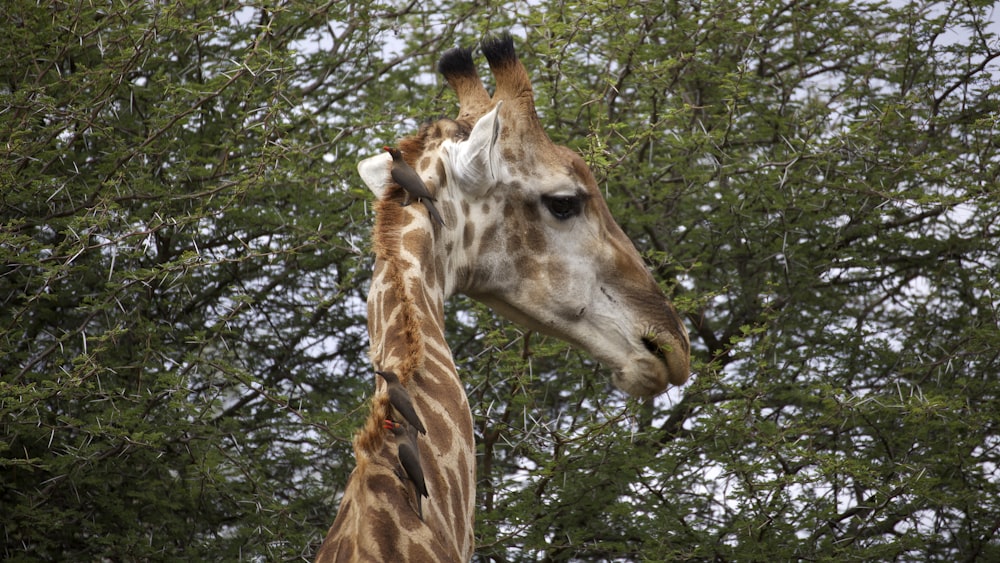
185,259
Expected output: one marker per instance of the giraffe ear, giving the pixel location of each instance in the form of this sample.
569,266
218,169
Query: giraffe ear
474,164
374,172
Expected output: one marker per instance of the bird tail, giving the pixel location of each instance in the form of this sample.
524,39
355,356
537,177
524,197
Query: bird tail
433,212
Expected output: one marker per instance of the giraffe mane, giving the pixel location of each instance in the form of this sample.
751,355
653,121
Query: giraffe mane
389,218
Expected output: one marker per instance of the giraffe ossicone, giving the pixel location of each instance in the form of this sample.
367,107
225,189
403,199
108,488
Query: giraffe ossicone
527,232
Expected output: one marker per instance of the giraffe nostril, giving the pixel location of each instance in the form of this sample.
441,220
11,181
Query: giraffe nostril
654,348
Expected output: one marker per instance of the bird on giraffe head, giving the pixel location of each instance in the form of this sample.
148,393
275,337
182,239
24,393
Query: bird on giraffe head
404,175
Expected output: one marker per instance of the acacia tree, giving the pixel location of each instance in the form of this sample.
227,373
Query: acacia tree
185,260
182,297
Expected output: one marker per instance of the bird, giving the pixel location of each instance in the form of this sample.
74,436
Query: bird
404,175
409,457
400,400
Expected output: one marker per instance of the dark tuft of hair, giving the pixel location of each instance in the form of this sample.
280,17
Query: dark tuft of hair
456,62
499,49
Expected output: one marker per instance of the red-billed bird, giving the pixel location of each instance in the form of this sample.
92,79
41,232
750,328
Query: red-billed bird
404,175
400,400
409,458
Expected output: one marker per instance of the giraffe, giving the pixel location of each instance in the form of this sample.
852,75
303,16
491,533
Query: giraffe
525,231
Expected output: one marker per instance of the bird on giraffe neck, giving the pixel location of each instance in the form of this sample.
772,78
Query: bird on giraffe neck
409,458
400,400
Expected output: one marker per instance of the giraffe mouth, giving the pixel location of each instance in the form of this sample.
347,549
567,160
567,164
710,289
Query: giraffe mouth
645,375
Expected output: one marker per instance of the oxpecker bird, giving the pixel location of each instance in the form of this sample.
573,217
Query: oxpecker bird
409,458
404,175
399,398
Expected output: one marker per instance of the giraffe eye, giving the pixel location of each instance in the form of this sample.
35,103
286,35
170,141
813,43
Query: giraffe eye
563,207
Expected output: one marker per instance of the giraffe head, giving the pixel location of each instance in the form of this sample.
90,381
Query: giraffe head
527,231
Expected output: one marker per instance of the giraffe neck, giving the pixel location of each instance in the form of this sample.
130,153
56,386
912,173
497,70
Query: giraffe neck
377,519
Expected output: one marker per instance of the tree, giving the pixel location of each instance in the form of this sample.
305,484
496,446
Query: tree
181,275
185,260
